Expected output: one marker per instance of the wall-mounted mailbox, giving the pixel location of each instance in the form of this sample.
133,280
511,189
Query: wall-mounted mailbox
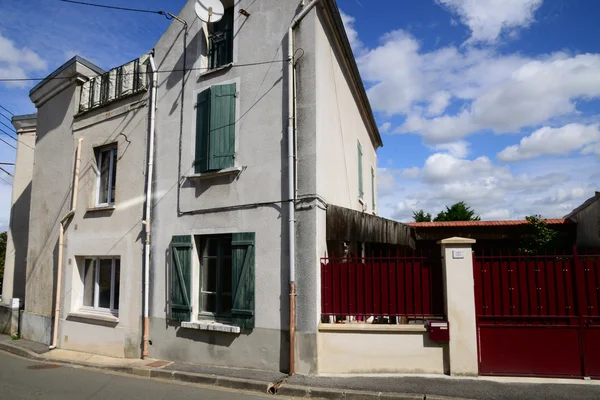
439,331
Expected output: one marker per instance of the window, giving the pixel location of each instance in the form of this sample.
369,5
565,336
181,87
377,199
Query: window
106,159
220,41
373,188
215,276
215,128
361,192
101,279
225,290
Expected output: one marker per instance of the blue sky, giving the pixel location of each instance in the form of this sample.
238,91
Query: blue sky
494,102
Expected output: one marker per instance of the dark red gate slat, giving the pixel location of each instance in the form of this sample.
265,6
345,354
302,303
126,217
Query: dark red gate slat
385,289
393,287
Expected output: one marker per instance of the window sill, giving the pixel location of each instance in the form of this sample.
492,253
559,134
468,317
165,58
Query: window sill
211,326
94,317
214,174
101,208
371,328
212,71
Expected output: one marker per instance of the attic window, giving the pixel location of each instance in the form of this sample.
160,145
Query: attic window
220,41
128,79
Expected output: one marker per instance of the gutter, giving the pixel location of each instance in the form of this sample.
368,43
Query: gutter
148,201
291,179
61,245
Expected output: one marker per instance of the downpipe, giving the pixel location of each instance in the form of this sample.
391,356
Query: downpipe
148,201
291,139
61,245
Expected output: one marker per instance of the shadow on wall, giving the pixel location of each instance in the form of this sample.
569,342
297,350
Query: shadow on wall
445,349
19,227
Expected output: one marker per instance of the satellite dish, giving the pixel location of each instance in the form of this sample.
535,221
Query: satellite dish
210,10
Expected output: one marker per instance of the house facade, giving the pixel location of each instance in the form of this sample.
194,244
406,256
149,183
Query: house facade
244,159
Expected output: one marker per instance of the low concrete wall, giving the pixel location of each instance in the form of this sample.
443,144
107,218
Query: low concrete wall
9,320
364,349
35,327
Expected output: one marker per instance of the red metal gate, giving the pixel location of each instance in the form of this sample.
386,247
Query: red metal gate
538,315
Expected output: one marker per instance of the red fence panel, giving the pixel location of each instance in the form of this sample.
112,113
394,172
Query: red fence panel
404,286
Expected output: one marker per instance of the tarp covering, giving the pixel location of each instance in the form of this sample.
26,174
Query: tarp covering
349,225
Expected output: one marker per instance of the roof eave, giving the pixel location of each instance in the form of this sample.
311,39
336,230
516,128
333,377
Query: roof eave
63,67
333,10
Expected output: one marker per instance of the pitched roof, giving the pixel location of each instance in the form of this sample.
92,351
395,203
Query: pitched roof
585,205
558,221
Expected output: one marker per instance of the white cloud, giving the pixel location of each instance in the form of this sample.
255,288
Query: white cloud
438,103
458,149
552,141
17,62
355,42
385,127
386,181
494,191
488,19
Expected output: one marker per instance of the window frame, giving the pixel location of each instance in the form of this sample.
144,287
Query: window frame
361,191
201,253
96,298
373,188
113,150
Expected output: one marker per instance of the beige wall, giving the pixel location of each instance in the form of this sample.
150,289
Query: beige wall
364,352
339,127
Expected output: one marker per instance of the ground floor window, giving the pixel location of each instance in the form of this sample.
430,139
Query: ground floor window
101,281
214,253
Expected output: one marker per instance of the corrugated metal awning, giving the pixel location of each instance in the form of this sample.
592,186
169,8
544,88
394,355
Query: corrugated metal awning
350,225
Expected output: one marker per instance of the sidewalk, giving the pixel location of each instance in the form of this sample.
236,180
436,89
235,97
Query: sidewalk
356,387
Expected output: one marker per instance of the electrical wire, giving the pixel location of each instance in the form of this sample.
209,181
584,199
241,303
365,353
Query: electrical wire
6,143
10,136
16,140
11,130
6,110
2,115
7,182
160,71
83,3
6,172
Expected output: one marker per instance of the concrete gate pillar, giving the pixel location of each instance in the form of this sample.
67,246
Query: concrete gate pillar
460,305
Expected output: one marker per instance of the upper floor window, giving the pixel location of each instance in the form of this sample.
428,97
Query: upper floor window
220,41
106,159
361,192
215,128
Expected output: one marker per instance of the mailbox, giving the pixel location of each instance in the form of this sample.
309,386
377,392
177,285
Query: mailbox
439,331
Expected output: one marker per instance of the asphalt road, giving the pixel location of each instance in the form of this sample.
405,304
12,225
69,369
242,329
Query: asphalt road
25,379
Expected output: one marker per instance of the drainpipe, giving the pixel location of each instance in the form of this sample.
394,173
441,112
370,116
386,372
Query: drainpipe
61,244
291,180
148,200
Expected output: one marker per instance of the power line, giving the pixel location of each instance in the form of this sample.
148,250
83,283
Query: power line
6,172
7,163
10,136
6,143
6,110
114,7
8,119
11,130
16,140
7,182
160,71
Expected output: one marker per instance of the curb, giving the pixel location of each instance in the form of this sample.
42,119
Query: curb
226,382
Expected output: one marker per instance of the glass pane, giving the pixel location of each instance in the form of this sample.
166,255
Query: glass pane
114,176
211,248
104,280
209,275
209,302
117,283
104,166
226,304
88,283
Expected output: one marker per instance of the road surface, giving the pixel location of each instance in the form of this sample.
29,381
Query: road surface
26,379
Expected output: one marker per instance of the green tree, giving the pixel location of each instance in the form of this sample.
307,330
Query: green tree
420,216
457,212
542,238
3,239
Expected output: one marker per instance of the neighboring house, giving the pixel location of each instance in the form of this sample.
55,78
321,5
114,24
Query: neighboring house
495,236
228,198
587,217
18,230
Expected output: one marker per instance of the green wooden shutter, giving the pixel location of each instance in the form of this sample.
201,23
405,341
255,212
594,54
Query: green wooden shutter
373,187
202,131
361,191
243,257
181,272
222,127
